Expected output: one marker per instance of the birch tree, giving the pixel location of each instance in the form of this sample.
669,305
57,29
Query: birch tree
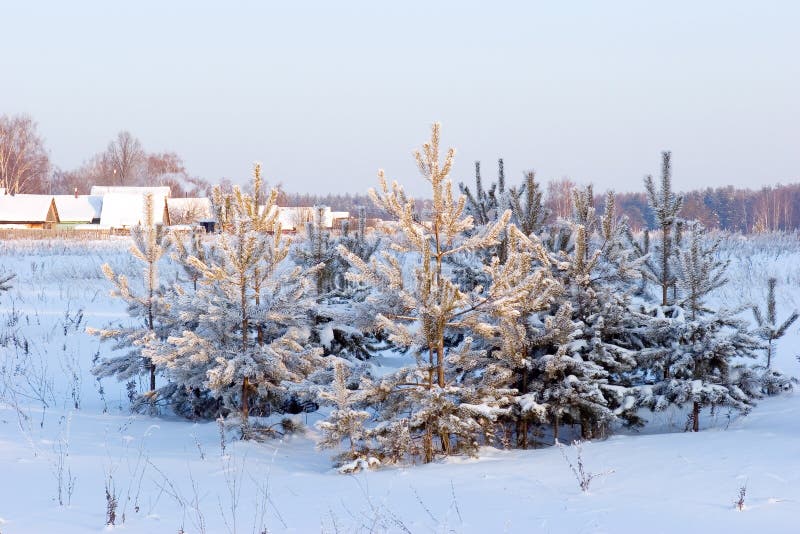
24,163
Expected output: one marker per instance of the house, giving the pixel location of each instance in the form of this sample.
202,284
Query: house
337,218
190,210
123,206
28,211
294,218
123,210
79,209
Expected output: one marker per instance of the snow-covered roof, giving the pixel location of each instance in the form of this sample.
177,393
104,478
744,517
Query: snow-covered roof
295,217
123,210
158,191
291,218
28,209
83,208
189,210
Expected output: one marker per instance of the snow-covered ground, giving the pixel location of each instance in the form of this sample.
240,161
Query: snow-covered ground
169,473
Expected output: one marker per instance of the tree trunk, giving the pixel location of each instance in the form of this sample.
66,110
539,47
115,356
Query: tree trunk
430,367
769,354
245,402
555,430
665,252
428,443
257,290
522,434
150,324
696,417
586,428
440,363
522,429
446,448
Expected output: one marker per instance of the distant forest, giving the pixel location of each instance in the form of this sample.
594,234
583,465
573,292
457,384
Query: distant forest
737,210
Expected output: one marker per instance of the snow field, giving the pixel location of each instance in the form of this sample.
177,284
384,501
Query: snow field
178,476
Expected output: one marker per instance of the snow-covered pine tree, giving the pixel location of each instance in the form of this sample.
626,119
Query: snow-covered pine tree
425,401
701,345
641,250
768,328
345,421
193,245
344,325
485,206
318,249
666,205
585,350
531,215
358,243
249,315
498,366
150,308
583,211
700,272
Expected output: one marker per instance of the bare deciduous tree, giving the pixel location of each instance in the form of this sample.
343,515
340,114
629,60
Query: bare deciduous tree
24,164
559,198
126,163
126,158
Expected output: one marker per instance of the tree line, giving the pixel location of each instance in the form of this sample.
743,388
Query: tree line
25,167
769,209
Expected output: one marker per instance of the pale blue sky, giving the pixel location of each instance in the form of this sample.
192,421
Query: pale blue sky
325,93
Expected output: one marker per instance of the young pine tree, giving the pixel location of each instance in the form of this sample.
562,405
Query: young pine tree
666,205
343,322
193,245
530,216
428,306
585,351
768,328
703,345
249,316
148,307
318,249
345,421
486,205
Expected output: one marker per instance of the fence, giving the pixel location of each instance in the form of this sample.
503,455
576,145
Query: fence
60,233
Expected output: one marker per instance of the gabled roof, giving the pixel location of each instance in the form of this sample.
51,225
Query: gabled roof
28,209
189,210
158,191
123,210
83,208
